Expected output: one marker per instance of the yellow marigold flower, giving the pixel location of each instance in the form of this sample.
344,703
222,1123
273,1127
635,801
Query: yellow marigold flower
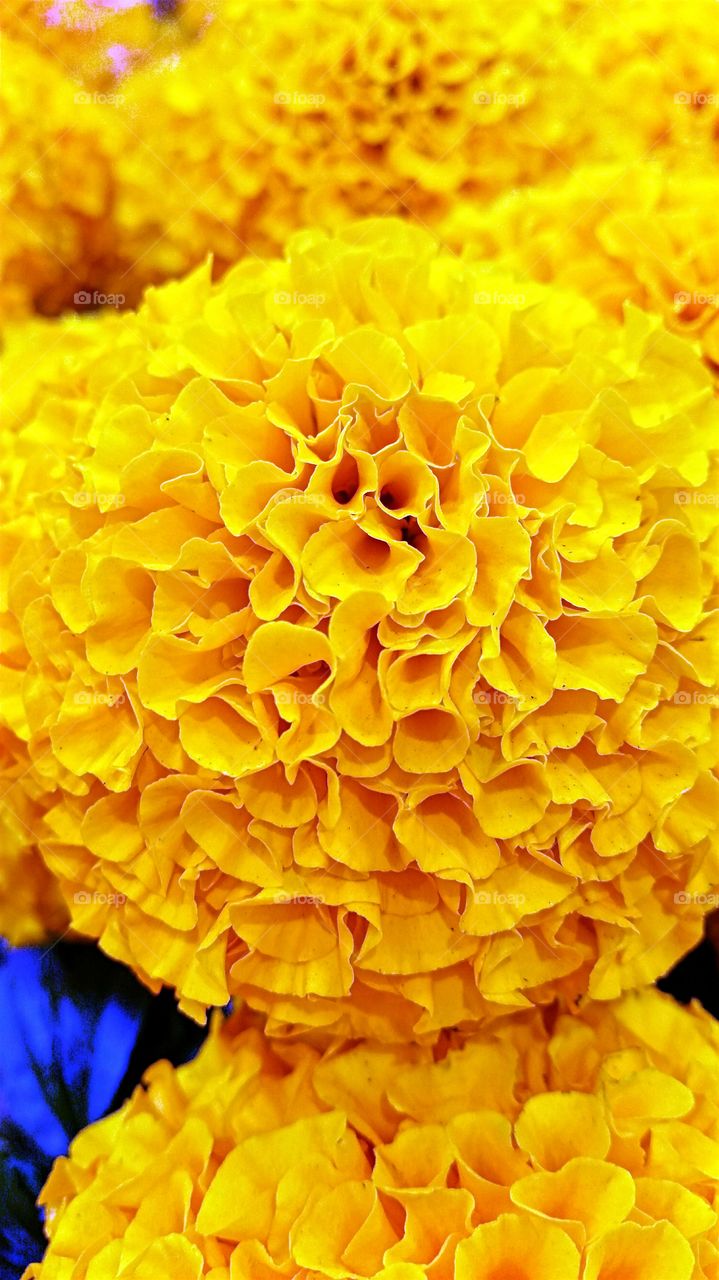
267,118
363,638
550,1147
647,235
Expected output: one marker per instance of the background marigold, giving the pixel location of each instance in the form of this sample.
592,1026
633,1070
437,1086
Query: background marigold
227,127
646,235
549,1147
361,637
64,64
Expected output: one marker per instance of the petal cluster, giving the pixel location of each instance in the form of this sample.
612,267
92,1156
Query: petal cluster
362,637
551,1147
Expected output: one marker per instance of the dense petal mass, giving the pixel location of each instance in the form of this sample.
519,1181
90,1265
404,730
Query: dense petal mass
550,1147
361,638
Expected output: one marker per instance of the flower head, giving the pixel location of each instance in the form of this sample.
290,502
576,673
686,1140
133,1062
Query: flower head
362,638
583,1145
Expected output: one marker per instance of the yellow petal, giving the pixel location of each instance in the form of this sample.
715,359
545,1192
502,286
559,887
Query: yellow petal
517,1249
640,1253
593,1192
555,1127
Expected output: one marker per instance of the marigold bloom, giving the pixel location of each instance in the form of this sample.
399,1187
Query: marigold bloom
362,638
262,119
550,1147
647,234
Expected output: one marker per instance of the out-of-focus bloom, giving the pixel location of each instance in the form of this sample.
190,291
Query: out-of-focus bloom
583,1145
267,118
650,75
647,234
361,635
55,171
298,114
61,100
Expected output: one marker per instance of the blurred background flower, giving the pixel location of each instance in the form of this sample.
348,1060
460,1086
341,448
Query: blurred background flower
643,233
141,137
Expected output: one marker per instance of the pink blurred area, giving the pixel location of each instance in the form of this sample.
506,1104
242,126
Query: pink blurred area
78,13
